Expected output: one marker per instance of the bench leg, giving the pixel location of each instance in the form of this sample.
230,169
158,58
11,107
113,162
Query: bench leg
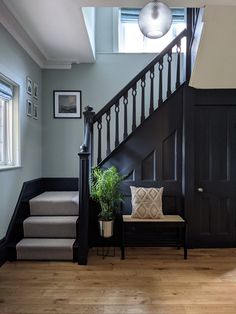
185,252
122,252
185,243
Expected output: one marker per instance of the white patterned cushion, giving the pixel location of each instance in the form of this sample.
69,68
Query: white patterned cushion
146,202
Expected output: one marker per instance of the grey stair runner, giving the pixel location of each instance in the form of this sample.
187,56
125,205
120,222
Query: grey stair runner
50,227
45,249
50,231
55,203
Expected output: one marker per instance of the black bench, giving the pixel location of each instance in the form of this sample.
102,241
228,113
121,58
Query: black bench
130,224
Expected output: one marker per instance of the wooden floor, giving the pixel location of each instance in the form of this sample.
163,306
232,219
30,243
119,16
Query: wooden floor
150,280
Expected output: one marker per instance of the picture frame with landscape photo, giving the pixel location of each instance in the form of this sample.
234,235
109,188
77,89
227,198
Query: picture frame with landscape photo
29,108
35,90
67,104
29,85
35,112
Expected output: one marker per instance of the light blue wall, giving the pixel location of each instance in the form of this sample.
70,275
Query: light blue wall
58,140
16,65
104,30
98,82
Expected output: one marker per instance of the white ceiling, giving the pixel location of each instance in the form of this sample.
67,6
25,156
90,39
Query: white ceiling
54,32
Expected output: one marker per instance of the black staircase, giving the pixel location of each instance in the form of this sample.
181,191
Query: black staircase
141,96
106,130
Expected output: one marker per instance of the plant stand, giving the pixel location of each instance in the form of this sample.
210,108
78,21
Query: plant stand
106,251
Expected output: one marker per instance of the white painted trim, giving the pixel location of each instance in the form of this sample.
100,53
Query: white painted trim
115,25
58,65
5,168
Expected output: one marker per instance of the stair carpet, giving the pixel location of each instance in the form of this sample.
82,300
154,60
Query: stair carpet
50,231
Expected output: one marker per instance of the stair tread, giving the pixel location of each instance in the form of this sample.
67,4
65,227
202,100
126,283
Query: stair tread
57,196
45,243
50,219
55,203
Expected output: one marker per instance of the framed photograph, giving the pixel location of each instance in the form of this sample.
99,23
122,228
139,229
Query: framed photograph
29,85
29,108
35,112
67,104
35,90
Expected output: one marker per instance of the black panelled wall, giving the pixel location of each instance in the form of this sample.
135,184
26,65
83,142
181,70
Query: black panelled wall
188,144
152,155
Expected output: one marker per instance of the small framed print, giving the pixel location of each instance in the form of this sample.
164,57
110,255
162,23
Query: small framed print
35,112
29,85
35,90
67,104
29,108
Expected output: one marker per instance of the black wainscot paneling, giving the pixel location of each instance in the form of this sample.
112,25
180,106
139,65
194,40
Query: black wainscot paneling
152,156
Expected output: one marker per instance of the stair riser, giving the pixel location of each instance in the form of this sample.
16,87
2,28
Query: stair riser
45,249
39,254
50,231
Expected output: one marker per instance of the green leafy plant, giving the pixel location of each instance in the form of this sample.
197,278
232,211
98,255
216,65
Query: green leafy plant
105,189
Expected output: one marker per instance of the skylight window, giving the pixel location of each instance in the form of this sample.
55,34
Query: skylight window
132,40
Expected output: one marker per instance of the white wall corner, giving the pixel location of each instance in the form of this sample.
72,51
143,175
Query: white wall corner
116,26
88,14
24,40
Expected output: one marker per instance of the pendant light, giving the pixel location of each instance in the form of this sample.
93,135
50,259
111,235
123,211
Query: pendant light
155,19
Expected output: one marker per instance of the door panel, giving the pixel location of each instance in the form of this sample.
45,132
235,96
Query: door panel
204,207
215,174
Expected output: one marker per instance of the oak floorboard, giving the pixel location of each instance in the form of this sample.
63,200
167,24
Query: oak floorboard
148,281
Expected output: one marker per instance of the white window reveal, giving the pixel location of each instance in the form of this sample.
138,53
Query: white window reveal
132,40
9,142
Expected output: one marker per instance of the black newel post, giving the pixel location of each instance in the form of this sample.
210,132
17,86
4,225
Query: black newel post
88,132
85,163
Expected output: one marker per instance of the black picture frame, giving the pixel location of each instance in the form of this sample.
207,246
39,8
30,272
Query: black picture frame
67,104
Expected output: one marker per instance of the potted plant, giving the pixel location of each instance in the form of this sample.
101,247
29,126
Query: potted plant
105,189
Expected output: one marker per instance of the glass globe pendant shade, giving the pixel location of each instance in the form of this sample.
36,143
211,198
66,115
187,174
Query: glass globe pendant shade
155,19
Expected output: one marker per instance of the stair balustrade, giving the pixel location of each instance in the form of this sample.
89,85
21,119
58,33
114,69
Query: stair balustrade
139,98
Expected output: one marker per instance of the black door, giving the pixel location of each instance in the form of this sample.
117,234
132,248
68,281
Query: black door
215,175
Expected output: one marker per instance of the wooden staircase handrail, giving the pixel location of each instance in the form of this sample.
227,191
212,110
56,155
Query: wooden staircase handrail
124,90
